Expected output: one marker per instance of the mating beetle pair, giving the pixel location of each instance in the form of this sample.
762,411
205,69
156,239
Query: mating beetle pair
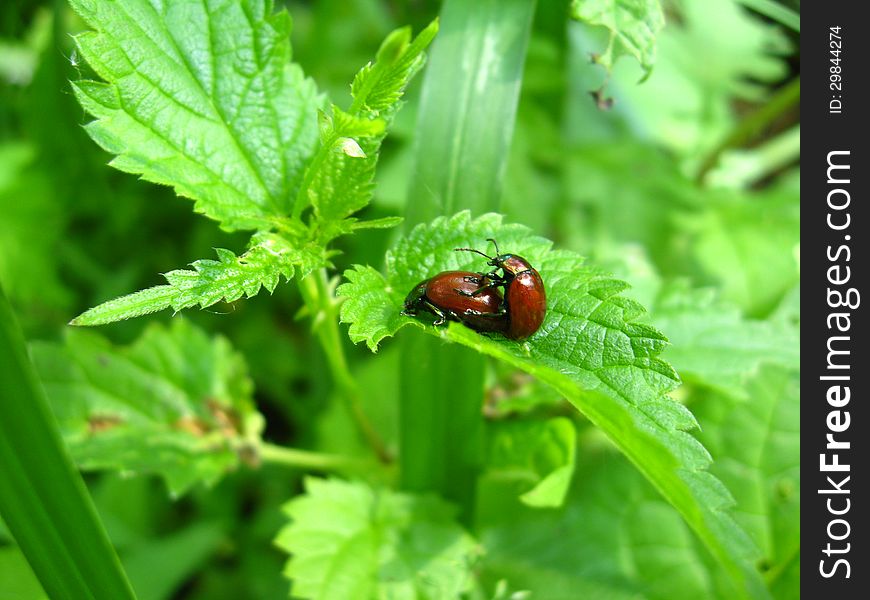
474,298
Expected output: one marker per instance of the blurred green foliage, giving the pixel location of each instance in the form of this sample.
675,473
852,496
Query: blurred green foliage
714,255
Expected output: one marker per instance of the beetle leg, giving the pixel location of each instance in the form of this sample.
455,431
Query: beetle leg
476,292
438,313
495,277
470,312
478,279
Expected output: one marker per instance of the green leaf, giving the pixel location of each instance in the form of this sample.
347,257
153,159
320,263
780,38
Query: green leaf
340,179
631,24
351,541
750,246
614,538
535,457
195,72
590,348
372,315
714,345
43,500
176,403
687,105
202,97
756,450
382,223
211,281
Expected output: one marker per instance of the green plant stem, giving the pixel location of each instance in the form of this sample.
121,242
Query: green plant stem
464,129
43,499
775,154
322,306
784,99
779,152
776,11
314,461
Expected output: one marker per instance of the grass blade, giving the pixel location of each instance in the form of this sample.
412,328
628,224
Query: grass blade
43,500
468,108
466,123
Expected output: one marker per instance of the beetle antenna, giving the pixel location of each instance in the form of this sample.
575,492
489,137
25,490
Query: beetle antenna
494,243
472,250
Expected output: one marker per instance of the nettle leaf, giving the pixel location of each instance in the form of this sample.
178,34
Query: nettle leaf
211,281
340,179
352,541
589,348
536,458
714,345
176,403
201,96
632,25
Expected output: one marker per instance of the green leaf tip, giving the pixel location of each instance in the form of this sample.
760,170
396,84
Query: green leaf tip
379,85
211,281
137,304
632,25
339,180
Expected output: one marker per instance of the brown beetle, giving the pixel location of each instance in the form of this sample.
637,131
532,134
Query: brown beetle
463,296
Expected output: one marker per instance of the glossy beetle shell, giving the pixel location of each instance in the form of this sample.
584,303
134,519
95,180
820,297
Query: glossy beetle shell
526,304
438,295
524,294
